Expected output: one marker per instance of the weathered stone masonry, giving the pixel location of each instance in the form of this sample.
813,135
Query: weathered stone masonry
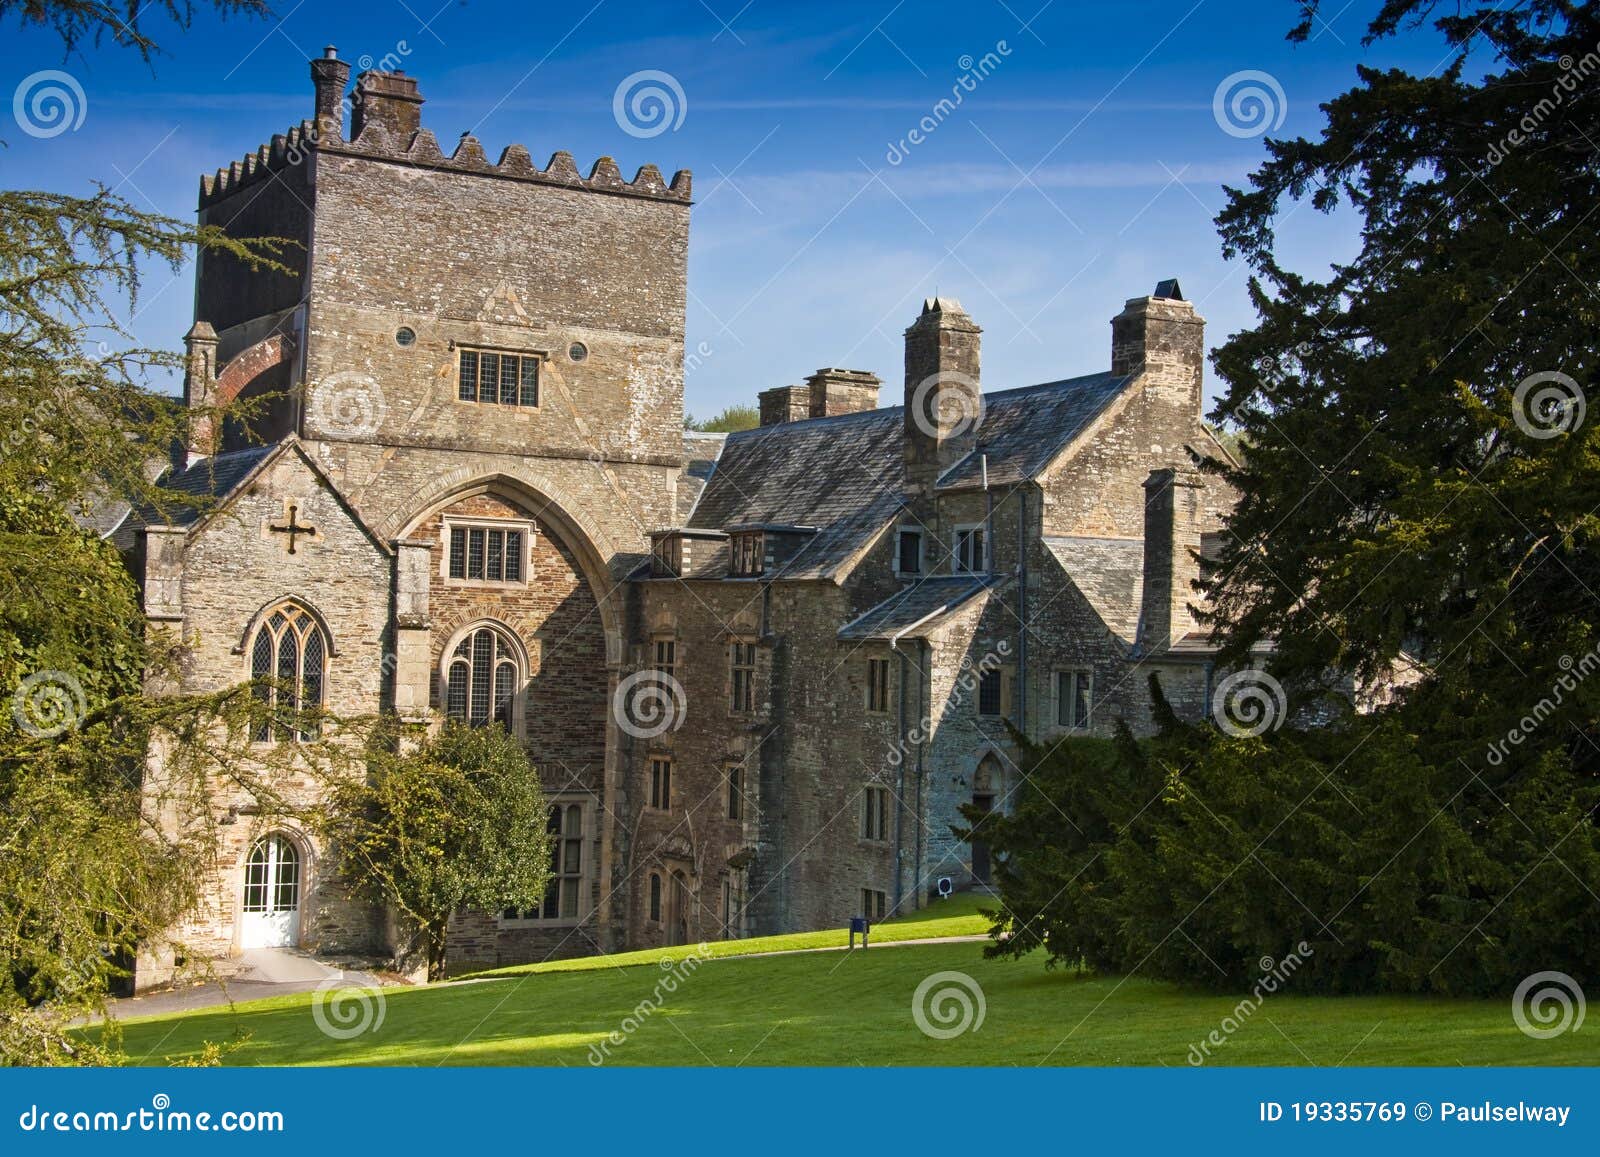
841,689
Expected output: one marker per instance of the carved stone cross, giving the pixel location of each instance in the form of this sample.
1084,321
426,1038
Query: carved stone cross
291,527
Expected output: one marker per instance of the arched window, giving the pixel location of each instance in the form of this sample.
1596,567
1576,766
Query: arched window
655,897
288,660
481,677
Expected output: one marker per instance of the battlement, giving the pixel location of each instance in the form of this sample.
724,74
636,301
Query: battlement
376,137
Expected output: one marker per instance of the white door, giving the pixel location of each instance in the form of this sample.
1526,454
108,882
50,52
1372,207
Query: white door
271,894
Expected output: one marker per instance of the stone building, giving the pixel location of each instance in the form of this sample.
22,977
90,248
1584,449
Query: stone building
758,674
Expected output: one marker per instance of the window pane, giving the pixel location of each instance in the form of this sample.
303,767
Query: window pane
455,700
569,898
574,821
288,669
468,389
989,693
1081,709
513,556
910,552
508,379
495,569
482,668
505,690
530,381
261,669
475,554
458,553
488,376
1063,698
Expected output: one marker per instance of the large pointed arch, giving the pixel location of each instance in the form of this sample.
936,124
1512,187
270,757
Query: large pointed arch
581,535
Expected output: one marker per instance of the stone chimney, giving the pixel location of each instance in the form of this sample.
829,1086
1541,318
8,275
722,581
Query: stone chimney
1162,337
944,404
836,391
329,75
1173,510
199,383
389,100
784,404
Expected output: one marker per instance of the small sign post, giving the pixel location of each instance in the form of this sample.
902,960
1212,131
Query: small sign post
862,925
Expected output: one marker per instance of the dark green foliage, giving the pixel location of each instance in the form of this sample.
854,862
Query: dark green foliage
455,821
1195,855
731,420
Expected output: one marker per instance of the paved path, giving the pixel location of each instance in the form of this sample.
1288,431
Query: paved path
264,972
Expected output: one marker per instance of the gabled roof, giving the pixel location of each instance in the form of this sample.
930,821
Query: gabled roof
220,478
845,475
1109,572
1023,430
919,608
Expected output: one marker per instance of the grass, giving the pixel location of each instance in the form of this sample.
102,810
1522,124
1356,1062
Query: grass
836,1008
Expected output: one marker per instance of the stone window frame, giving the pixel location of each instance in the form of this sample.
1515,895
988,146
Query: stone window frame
519,658
660,760
875,817
968,528
655,898
666,557
874,898
469,523
305,627
1055,698
668,669
922,550
585,802
998,674
875,665
539,357
737,795
736,701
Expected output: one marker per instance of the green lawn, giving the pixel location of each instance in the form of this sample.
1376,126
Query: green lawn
844,1009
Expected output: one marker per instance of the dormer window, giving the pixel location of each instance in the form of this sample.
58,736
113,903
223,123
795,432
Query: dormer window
969,555
499,377
666,557
747,554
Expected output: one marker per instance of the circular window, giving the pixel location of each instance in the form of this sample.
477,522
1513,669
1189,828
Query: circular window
405,335
577,351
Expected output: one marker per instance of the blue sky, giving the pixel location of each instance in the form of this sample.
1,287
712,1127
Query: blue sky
1083,167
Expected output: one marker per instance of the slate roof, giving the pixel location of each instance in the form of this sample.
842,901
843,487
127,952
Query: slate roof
1110,574
930,598
699,460
845,474
211,478
1022,430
